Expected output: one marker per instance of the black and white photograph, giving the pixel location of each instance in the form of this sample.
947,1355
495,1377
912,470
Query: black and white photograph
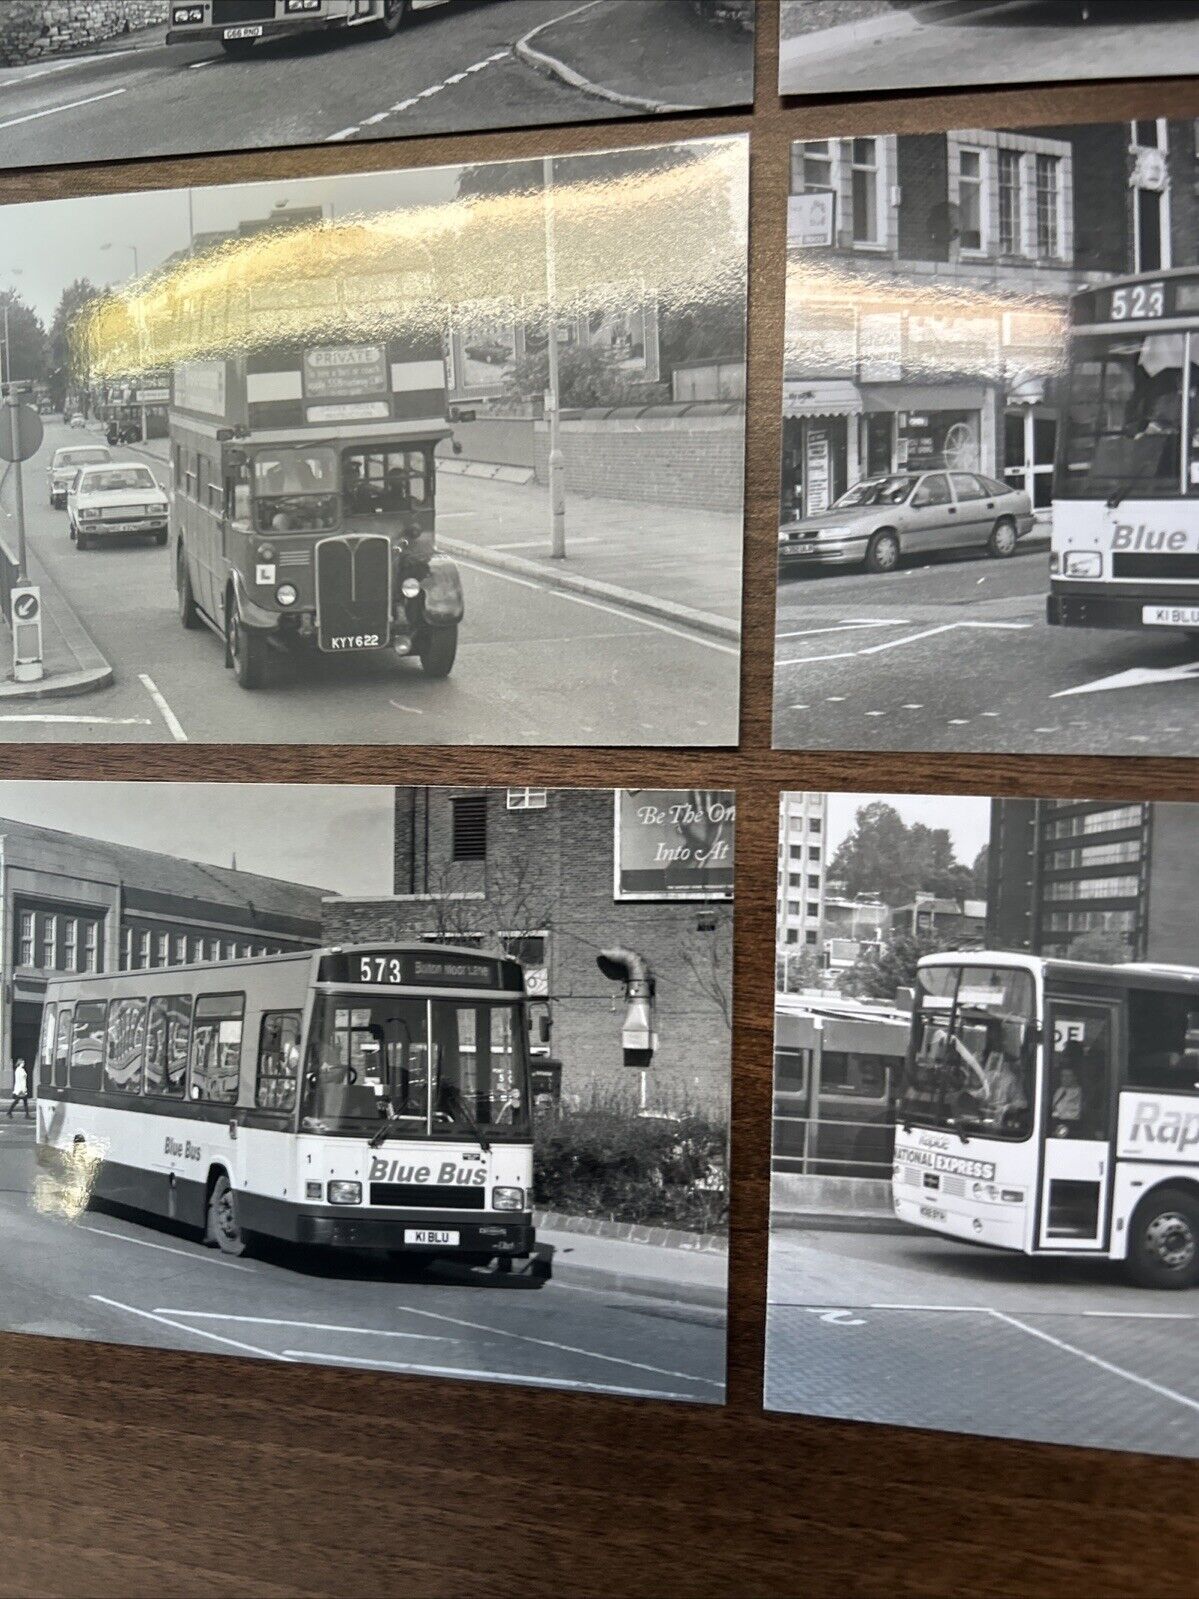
105,80
425,1080
989,516
836,47
448,456
985,1170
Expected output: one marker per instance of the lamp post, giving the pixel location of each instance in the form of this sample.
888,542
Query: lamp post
12,403
553,400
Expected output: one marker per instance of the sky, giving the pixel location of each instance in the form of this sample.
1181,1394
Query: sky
331,836
967,817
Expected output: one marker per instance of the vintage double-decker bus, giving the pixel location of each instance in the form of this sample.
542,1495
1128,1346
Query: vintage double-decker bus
1052,1107
303,503
238,25
1126,482
372,1097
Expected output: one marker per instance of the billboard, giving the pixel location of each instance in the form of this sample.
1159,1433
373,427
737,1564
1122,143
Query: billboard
674,843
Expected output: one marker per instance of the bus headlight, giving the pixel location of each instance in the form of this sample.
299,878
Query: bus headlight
285,594
507,1199
410,587
1082,563
344,1193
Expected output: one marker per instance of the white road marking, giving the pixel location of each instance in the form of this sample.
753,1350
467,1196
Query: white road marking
1136,677
144,1243
1095,1360
597,605
62,66
99,721
488,1376
53,111
173,723
566,1349
910,638
406,105
411,709
537,544
198,66
195,1332
313,1326
845,626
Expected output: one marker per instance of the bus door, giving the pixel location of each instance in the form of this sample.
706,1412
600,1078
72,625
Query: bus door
1076,1123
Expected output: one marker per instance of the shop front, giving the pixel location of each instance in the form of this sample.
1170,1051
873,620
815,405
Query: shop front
821,445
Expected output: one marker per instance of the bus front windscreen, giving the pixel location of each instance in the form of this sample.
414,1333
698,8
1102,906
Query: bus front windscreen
370,1065
971,1061
1129,416
295,490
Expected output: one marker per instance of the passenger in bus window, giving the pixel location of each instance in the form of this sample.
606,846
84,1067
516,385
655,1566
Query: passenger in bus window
1066,1113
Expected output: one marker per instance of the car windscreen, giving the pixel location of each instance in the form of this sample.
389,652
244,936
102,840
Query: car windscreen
81,457
878,491
130,477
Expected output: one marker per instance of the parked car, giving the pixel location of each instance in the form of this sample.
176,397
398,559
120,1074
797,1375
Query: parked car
882,519
119,499
64,464
77,420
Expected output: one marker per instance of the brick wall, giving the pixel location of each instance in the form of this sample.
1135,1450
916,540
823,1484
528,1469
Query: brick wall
693,462
551,870
30,29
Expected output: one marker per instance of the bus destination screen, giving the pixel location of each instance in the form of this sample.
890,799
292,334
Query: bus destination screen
417,968
1148,301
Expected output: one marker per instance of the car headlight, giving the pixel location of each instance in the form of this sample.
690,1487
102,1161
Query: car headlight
86,515
834,532
344,1193
410,587
1082,563
286,594
507,1199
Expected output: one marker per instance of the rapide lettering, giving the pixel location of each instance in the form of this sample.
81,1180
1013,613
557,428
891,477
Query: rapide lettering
1159,1129
449,1172
1127,537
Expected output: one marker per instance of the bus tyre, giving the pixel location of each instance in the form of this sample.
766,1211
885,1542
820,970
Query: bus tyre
882,553
223,1228
394,13
246,650
1002,542
438,647
188,615
1163,1251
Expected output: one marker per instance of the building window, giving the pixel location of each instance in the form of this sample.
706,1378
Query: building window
1048,191
813,852
971,201
1009,202
462,940
162,955
1094,888
813,879
143,949
25,957
812,166
811,936
1096,822
814,825
527,948
469,827
180,949
867,192
91,946
1126,849
527,799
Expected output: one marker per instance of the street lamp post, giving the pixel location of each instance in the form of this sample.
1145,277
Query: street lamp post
553,393
12,403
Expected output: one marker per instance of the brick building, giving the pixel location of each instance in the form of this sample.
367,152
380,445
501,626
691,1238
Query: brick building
1123,875
553,876
928,276
74,904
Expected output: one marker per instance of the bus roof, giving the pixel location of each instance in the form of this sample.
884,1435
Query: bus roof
1123,974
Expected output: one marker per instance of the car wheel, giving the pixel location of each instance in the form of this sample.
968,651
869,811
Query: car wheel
882,553
1002,542
247,651
1163,1250
161,538
189,616
80,539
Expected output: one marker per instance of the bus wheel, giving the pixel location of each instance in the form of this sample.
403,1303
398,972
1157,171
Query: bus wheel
882,553
223,1228
247,652
1002,542
438,647
1163,1251
188,615
394,12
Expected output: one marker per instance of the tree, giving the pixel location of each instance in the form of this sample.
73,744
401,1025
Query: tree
1106,947
67,362
586,376
795,969
980,870
883,855
710,968
881,973
26,357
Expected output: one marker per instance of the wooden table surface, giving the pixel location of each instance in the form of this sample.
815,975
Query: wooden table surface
126,1472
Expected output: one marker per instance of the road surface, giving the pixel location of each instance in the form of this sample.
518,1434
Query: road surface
534,666
955,654
941,43
447,70
115,1277
920,1331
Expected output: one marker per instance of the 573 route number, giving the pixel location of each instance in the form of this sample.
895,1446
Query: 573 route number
380,969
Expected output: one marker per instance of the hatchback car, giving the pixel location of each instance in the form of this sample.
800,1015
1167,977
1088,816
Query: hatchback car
119,499
882,519
64,464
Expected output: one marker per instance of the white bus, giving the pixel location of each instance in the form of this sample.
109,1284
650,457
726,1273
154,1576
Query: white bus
1125,550
367,1097
238,25
1052,1107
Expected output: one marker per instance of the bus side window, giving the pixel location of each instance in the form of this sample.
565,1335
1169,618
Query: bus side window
166,1045
1163,1041
87,1043
45,1054
126,1042
278,1061
62,1044
216,1048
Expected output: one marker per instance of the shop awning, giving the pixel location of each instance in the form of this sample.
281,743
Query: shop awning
834,397
922,397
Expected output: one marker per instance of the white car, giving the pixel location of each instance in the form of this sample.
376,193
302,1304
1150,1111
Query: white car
116,500
66,462
77,420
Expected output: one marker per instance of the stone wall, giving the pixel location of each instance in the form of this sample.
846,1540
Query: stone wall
31,29
694,462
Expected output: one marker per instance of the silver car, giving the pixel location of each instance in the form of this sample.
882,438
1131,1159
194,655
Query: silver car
909,513
64,464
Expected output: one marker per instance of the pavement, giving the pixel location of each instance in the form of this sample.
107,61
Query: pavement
919,1331
452,69
954,653
931,43
116,1277
537,663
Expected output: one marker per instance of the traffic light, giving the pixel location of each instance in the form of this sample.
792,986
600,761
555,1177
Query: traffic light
637,1034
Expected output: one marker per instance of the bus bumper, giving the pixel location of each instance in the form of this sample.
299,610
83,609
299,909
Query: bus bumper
278,28
487,1236
1094,605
